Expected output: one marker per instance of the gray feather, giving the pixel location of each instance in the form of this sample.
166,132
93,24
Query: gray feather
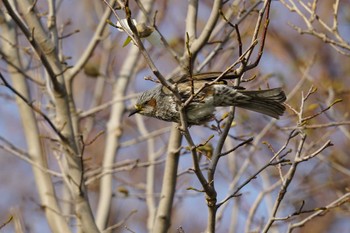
268,102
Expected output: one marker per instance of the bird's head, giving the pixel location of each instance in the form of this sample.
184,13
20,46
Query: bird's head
145,105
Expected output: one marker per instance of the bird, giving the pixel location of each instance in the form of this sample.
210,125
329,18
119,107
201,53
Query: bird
159,102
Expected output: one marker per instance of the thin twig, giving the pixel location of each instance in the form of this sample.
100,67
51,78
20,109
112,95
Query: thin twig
35,109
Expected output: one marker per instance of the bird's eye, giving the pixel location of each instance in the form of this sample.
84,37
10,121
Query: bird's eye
152,102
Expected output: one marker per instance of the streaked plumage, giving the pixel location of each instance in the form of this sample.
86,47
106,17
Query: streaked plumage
160,103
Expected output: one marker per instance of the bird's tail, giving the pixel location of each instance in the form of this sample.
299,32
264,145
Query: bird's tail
268,102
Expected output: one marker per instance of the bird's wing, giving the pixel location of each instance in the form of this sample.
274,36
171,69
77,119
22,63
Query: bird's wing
209,76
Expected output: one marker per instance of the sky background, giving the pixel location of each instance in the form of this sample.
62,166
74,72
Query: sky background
281,60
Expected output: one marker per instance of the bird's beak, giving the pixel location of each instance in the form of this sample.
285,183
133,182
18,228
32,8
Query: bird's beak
136,110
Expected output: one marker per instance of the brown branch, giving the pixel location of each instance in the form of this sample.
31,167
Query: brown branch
6,222
261,50
319,212
35,109
319,126
30,36
249,140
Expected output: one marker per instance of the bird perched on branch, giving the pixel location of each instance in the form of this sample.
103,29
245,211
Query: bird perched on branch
160,102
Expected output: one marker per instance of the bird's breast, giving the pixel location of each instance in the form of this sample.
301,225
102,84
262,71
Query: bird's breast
201,111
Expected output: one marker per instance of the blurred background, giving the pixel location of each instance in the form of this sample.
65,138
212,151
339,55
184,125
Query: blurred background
295,60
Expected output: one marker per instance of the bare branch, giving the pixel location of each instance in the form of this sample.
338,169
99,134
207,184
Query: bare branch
321,211
35,109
